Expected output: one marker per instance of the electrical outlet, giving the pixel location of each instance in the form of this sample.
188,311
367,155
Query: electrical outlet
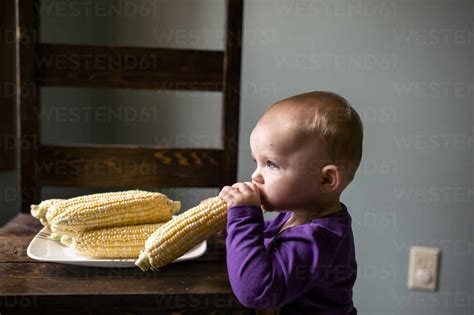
423,268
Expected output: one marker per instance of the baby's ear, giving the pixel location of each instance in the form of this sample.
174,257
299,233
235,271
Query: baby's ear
330,178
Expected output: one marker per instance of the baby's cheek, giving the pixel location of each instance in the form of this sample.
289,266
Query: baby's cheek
275,195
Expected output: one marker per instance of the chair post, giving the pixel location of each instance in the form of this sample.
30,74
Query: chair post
7,88
231,91
27,103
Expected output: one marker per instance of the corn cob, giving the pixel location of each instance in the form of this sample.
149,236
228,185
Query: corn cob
114,242
111,209
182,233
39,211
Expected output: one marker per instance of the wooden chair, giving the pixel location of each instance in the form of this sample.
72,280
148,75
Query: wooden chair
84,165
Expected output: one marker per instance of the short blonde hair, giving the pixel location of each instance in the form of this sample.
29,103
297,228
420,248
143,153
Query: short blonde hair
328,117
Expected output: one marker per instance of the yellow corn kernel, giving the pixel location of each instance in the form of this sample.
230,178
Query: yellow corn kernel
182,233
114,242
111,209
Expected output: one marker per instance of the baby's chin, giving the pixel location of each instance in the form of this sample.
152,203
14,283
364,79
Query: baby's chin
268,208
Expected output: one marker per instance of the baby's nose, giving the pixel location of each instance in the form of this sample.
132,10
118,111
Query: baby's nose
257,178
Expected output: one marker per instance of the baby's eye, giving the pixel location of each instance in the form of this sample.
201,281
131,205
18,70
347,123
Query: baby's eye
272,165
254,160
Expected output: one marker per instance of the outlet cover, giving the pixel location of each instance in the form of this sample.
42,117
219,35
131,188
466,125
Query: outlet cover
423,268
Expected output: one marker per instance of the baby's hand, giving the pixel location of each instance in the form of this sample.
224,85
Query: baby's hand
241,194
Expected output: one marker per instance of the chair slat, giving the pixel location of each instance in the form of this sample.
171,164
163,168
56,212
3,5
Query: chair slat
91,165
129,67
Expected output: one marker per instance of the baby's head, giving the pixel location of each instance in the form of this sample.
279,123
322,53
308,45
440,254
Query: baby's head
307,148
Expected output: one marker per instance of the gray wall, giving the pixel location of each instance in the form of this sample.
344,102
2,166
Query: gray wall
406,66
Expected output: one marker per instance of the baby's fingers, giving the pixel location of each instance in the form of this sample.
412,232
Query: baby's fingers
252,186
242,187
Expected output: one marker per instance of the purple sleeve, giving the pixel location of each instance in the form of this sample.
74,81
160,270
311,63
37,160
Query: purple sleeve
261,279
223,233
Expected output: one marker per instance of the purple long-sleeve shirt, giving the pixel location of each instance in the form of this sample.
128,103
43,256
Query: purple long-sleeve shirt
307,269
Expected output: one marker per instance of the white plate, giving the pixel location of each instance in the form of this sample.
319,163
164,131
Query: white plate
43,248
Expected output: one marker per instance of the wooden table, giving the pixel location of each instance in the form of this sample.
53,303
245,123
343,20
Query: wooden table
199,286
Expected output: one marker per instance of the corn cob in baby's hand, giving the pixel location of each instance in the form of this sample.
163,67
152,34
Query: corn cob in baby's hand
114,242
182,233
111,209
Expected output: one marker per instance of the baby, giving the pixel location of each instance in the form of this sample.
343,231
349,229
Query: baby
306,149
